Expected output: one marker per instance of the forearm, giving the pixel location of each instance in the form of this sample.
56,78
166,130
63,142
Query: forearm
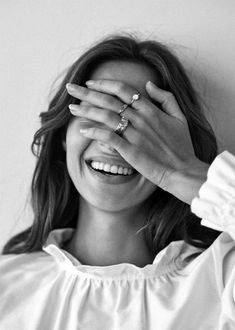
186,183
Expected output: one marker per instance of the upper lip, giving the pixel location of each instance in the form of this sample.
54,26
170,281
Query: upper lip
109,160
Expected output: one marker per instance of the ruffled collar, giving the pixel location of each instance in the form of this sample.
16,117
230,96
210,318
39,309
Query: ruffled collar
173,257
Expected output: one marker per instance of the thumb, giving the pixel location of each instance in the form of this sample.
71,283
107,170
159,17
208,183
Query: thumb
166,99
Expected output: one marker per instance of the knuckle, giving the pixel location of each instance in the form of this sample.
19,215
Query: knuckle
105,98
103,116
85,91
110,100
91,111
120,87
84,103
169,97
108,116
85,110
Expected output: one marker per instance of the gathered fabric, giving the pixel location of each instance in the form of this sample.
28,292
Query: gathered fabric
185,288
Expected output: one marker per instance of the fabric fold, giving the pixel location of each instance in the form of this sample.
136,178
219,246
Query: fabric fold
216,201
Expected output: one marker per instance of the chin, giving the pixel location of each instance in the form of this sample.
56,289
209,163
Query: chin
110,203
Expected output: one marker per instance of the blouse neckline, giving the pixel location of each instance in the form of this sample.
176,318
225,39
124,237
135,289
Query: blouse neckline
171,258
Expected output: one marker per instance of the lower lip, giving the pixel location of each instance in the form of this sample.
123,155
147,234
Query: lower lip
111,179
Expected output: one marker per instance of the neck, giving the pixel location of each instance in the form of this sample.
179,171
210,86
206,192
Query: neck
106,238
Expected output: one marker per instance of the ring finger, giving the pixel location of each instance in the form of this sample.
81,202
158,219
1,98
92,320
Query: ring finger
107,117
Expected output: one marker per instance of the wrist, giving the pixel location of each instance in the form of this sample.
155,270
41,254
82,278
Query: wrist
185,183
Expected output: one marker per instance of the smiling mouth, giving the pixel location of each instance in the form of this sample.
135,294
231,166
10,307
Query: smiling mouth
111,169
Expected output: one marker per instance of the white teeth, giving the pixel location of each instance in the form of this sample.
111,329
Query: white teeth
107,167
120,170
114,169
111,168
129,171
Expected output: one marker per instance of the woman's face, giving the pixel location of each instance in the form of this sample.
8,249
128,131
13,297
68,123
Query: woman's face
106,191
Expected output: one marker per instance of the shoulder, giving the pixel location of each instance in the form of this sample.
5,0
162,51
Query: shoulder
22,260
20,269
24,278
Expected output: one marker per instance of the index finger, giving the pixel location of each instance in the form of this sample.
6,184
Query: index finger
167,101
123,91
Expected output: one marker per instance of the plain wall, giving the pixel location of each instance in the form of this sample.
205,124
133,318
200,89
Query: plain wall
38,39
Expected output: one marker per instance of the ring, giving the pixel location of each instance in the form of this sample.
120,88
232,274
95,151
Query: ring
122,126
135,97
123,108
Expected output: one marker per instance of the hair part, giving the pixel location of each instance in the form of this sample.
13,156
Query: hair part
54,198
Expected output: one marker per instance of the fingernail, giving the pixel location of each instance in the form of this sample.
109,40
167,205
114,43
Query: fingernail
70,86
151,84
83,131
90,82
72,107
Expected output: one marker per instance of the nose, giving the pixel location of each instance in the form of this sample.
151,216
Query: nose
106,148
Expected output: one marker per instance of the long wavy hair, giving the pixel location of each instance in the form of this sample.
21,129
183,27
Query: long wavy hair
54,198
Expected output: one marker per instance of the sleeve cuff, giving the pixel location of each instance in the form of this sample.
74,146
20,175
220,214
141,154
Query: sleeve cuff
216,201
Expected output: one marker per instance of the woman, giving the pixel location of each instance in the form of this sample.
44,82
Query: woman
127,165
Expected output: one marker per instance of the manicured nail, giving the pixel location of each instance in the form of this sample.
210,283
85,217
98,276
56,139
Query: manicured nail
90,82
83,131
72,107
70,86
151,84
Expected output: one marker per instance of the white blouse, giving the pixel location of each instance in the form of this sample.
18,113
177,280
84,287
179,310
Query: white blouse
185,288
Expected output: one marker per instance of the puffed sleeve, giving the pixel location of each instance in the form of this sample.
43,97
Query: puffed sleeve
216,201
215,204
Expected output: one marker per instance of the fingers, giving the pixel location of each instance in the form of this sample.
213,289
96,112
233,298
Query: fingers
110,118
108,93
106,118
123,91
99,115
166,99
93,97
124,147
131,153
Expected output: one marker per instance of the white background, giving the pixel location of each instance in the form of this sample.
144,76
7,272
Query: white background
38,39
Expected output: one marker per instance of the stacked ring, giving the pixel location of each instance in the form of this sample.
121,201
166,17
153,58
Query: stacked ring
122,126
123,108
135,97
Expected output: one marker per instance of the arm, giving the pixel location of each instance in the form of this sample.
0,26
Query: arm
215,204
185,184
210,190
